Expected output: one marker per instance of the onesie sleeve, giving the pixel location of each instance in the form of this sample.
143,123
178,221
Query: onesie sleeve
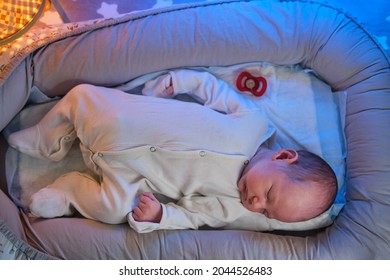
204,88
192,213
221,213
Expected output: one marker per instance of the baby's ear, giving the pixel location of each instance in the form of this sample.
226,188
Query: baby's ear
288,155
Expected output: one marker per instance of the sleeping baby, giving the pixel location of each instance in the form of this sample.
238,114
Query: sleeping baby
210,158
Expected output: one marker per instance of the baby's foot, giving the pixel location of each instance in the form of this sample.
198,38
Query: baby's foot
27,141
50,203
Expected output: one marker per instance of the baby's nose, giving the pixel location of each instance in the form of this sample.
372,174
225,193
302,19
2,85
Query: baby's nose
257,203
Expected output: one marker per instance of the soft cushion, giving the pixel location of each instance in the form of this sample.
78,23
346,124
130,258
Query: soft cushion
225,32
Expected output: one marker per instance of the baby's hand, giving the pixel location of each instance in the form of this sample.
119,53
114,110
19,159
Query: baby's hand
169,90
148,209
159,87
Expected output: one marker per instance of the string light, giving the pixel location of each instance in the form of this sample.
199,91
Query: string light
17,16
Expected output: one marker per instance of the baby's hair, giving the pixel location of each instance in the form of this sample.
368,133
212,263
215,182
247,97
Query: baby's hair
312,168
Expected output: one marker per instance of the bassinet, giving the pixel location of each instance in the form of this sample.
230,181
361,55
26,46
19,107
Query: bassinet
112,52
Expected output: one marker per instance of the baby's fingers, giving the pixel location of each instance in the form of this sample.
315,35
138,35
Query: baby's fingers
148,195
137,214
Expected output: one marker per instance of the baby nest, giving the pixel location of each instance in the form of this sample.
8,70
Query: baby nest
221,33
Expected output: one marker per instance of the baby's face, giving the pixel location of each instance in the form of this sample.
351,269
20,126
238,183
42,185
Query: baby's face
265,189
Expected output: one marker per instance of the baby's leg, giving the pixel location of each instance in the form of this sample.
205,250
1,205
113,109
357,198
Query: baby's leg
104,201
55,133
52,137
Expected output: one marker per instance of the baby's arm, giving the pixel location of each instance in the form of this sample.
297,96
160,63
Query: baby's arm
148,209
191,213
202,86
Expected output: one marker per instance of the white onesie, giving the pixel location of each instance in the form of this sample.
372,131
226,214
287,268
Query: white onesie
188,152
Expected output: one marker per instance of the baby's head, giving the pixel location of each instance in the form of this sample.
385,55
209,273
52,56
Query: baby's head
287,185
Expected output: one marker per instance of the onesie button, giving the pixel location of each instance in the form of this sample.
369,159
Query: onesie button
100,154
246,162
67,138
153,149
202,153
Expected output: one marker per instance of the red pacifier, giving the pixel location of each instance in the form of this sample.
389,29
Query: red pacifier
247,82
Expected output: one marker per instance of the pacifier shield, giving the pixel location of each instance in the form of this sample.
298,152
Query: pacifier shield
255,85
